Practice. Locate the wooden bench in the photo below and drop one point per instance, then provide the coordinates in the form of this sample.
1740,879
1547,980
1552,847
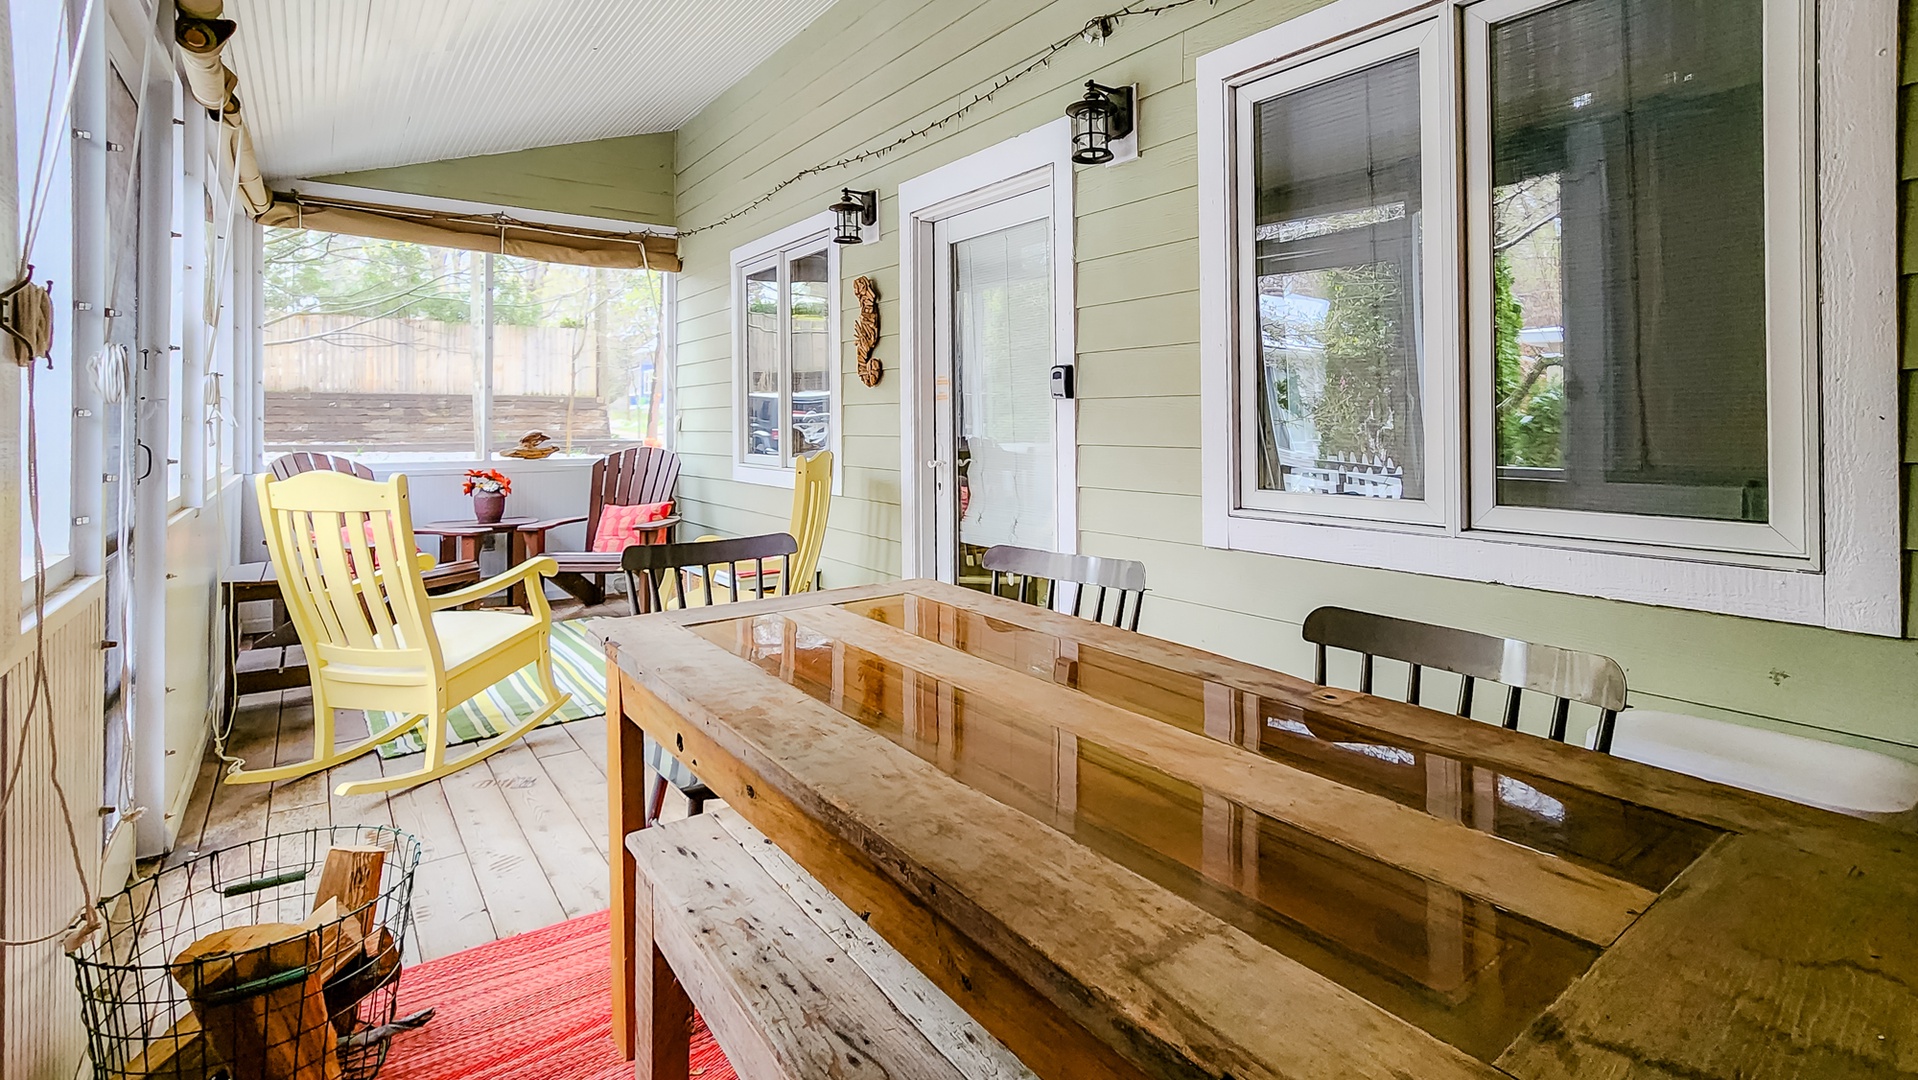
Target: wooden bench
793,985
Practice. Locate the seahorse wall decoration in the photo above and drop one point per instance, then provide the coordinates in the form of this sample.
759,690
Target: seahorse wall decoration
866,334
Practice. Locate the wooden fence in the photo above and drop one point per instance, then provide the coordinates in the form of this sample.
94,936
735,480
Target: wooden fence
346,354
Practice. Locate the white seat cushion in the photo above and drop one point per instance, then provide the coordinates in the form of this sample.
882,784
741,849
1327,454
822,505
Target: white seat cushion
1821,774
466,634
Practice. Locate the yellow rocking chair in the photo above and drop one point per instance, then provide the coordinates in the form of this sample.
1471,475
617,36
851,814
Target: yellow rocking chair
344,552
812,500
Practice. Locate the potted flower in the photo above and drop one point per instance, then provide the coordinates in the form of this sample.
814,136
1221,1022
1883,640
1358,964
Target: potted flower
489,488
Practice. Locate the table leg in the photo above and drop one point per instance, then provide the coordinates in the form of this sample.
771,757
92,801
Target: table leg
516,554
664,1013
626,798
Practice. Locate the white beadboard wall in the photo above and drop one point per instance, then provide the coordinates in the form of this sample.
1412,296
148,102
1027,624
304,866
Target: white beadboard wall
41,1035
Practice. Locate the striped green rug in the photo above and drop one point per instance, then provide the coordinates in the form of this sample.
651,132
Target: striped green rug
579,667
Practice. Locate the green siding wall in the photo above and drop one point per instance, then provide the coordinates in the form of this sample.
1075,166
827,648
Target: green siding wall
629,179
870,69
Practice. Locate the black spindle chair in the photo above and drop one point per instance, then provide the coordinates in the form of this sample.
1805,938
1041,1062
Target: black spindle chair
1566,676
702,572
662,577
1067,579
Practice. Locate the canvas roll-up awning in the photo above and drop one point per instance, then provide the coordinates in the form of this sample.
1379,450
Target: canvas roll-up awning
202,36
500,235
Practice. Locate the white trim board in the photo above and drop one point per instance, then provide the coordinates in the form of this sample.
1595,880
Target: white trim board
1040,158
1853,583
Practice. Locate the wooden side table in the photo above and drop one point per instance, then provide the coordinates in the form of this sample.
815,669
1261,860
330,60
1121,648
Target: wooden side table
460,541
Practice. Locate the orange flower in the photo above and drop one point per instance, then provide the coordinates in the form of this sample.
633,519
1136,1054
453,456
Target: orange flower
487,480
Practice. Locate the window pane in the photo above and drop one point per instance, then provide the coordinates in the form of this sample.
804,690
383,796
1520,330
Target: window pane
1336,168
1628,268
38,72
573,355
369,346
1003,410
812,354
762,362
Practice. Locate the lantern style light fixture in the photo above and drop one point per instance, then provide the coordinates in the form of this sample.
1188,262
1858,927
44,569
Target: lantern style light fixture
858,213
1102,125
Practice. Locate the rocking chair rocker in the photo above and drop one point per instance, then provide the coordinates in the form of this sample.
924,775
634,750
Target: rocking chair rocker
343,549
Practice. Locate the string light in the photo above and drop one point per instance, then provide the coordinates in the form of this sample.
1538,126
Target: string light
1096,31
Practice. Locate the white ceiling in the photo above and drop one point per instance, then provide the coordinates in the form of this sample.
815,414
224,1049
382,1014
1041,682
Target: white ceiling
338,85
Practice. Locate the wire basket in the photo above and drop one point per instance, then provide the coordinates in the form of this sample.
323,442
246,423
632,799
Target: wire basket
281,1002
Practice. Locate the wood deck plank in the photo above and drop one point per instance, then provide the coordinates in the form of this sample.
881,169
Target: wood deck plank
583,787
573,864
517,894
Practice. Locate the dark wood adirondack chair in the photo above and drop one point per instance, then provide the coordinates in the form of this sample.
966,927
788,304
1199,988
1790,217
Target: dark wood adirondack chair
288,465
630,477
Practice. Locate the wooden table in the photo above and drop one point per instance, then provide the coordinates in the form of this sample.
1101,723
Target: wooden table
1128,858
461,540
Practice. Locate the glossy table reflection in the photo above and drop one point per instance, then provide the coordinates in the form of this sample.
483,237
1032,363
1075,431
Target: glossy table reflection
1126,857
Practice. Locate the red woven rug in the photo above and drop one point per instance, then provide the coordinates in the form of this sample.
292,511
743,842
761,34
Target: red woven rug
537,1006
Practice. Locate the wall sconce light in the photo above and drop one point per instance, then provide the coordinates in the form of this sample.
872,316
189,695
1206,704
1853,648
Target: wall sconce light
858,217
1103,125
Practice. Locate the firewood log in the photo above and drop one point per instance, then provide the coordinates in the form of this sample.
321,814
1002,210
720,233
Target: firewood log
262,1018
183,1053
351,875
377,961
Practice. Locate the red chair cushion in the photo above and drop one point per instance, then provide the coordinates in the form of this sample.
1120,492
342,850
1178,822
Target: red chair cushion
620,527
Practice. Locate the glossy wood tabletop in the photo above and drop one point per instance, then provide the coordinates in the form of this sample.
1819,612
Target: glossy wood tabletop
1129,857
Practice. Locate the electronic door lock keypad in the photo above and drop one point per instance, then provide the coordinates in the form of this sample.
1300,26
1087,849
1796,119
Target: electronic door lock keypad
1062,381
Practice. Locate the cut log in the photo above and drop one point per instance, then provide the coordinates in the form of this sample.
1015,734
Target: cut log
377,962
340,940
259,997
351,875
183,1053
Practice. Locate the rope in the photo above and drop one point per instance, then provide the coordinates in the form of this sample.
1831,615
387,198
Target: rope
1095,31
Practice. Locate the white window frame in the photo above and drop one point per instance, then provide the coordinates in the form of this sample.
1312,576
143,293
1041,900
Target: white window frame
1428,45
1832,555
806,237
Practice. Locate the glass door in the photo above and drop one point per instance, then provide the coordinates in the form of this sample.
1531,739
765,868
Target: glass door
996,422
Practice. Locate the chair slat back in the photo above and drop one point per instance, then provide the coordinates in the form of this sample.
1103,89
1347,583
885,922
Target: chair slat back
348,565
290,465
812,500
663,577
630,477
1081,585
1563,674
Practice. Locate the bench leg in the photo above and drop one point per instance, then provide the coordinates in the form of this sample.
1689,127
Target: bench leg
664,1013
